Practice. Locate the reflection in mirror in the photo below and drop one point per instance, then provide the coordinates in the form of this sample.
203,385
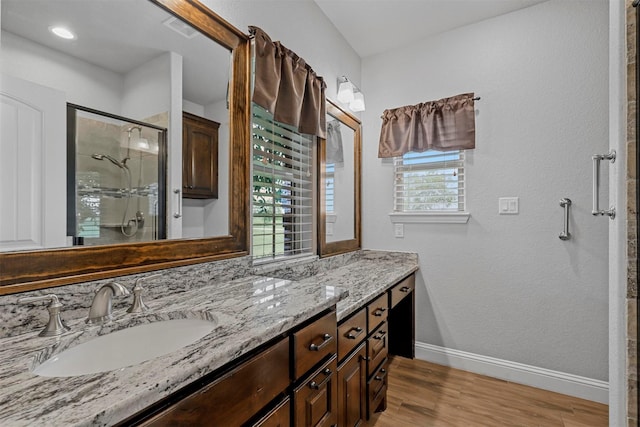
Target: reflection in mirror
130,59
116,181
339,186
134,59
339,181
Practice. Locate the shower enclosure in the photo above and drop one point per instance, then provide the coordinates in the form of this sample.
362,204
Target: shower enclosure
116,178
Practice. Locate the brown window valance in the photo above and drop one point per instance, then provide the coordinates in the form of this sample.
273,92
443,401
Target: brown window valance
287,86
446,124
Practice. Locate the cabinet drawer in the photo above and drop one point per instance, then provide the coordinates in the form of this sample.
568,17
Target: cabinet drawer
279,417
313,343
402,289
377,348
351,333
236,396
377,390
315,401
377,311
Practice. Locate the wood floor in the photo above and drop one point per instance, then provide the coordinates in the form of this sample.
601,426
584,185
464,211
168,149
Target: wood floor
424,394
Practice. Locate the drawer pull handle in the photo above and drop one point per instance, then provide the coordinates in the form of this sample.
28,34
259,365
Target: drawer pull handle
352,336
379,312
316,386
381,377
405,289
380,336
327,338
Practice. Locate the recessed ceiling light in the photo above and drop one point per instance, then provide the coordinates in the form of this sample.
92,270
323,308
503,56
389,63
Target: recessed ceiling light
62,32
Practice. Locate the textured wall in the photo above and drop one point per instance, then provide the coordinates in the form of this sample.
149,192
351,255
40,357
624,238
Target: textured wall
632,226
506,286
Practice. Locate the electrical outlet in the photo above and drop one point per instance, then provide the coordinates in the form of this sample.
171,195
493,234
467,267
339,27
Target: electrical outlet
398,230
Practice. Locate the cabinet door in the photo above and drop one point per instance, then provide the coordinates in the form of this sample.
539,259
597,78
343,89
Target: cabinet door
315,401
352,389
199,157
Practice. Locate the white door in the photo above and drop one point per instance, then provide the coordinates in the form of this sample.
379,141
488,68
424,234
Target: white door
33,165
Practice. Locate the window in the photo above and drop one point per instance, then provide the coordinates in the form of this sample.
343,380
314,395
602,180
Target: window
283,182
431,182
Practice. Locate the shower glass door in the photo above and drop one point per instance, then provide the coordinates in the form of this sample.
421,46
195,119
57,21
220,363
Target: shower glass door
116,186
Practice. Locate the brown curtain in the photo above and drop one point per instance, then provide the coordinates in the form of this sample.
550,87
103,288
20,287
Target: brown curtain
287,86
446,124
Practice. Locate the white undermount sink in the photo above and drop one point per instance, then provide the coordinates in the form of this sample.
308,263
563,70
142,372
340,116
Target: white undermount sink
125,347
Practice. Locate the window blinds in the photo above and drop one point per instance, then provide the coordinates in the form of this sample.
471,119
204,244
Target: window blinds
429,181
282,209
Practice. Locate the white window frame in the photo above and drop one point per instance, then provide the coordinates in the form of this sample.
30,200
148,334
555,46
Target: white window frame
438,162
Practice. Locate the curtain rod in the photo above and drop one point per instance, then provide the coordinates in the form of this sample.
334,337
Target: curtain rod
477,98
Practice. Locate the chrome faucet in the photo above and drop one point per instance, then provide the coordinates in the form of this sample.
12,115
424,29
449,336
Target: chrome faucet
100,311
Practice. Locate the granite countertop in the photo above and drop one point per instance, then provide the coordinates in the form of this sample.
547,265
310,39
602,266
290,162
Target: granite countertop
367,277
249,311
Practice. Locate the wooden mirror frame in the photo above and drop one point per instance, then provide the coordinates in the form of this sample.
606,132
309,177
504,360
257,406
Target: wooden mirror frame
29,270
340,246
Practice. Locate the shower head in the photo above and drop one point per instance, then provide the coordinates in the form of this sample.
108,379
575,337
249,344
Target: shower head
121,165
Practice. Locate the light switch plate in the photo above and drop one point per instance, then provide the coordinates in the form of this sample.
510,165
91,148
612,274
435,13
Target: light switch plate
508,206
398,230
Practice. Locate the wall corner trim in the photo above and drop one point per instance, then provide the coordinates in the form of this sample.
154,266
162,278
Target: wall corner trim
546,379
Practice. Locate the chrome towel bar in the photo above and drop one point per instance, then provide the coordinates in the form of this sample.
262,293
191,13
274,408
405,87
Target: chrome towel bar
611,156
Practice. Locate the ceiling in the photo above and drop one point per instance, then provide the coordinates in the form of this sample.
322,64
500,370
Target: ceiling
120,36
375,26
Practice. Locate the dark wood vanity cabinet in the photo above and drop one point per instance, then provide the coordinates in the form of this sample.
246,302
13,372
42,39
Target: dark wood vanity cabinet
236,396
364,343
320,374
199,157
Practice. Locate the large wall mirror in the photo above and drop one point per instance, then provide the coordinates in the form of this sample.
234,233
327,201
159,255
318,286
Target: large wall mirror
101,129
339,184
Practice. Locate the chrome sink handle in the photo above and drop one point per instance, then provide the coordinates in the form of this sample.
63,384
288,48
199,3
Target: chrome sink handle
55,325
100,311
138,305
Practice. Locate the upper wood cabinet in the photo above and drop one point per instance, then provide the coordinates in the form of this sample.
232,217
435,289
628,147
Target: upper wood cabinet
199,157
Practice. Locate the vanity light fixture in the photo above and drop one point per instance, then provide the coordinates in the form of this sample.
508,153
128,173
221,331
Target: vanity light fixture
62,32
357,104
348,93
345,90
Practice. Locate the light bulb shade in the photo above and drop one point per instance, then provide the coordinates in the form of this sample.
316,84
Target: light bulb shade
357,104
345,92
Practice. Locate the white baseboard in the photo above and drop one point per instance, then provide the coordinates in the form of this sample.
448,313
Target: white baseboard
546,379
